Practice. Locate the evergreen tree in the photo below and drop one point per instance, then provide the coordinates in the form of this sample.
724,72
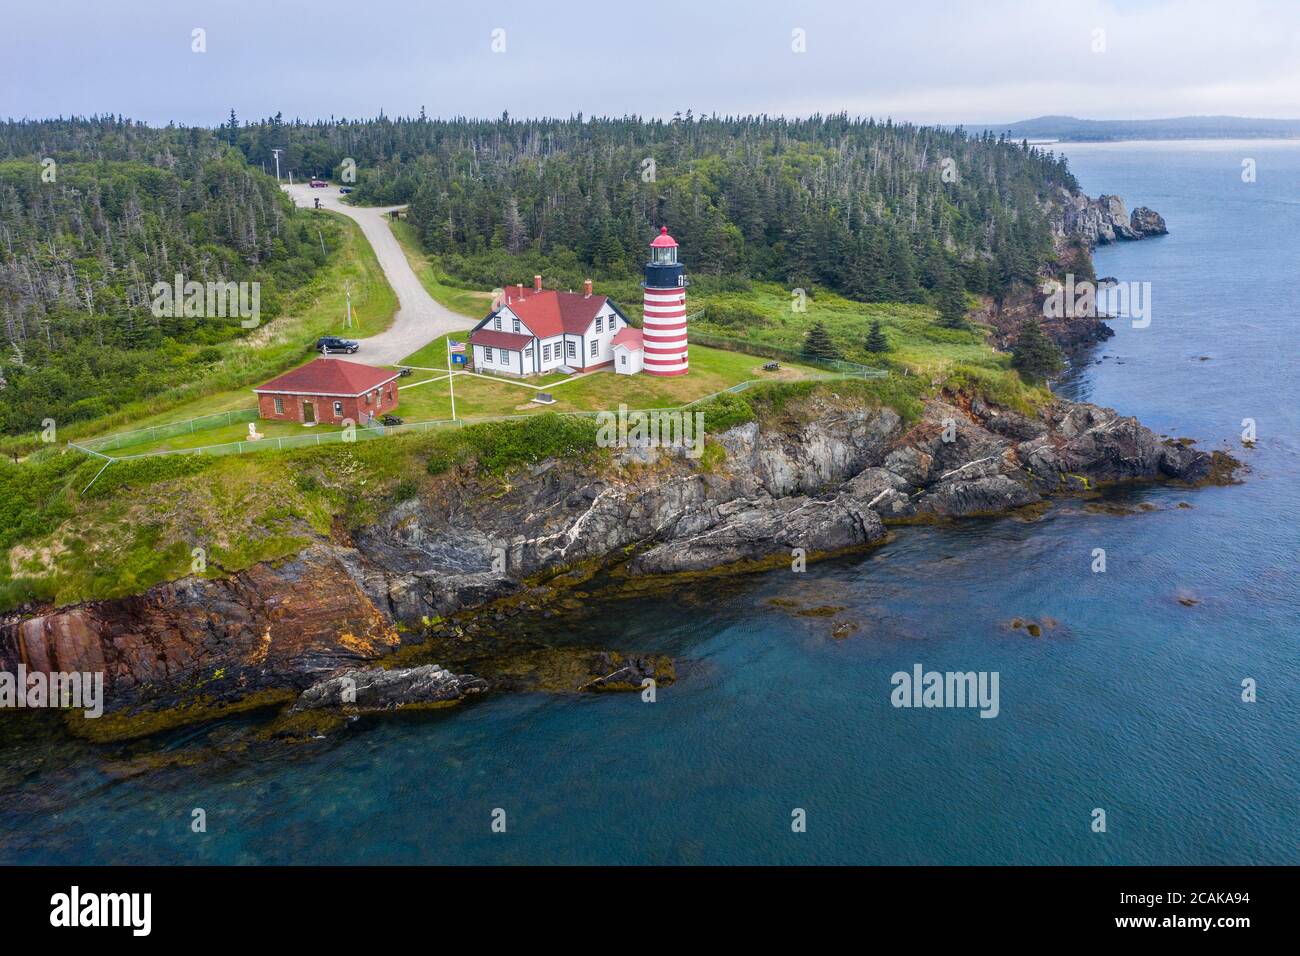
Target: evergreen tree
1034,355
818,344
952,301
876,341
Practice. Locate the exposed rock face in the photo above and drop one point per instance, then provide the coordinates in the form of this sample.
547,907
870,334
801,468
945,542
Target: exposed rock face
1071,333
1095,221
1079,224
270,626
1147,222
825,482
825,477
377,689
1104,219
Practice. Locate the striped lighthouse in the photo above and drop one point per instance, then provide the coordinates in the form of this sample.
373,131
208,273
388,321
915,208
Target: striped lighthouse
664,304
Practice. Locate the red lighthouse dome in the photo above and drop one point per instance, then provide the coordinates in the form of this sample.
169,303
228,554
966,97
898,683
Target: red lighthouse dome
663,240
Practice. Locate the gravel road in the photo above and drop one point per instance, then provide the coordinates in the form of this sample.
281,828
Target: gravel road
419,319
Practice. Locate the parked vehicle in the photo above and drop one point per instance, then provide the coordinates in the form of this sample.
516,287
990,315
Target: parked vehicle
332,343
345,190
771,366
318,183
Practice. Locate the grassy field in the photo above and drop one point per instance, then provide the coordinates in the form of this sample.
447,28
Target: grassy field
315,310
919,346
222,435
482,396
426,396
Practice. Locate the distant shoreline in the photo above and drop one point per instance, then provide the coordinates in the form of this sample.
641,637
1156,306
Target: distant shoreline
1072,129
1041,141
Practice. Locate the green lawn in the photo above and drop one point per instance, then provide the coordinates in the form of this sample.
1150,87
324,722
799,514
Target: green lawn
481,396
222,435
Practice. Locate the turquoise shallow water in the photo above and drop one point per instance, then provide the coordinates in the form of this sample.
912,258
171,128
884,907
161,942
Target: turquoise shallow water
1131,704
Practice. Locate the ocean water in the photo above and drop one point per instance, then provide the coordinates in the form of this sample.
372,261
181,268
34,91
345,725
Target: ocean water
1131,703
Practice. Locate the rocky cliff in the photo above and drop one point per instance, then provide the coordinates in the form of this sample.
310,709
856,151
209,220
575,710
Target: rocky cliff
1104,219
1079,224
824,475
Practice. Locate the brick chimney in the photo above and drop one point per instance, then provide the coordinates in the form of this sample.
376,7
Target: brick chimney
521,290
537,283
586,288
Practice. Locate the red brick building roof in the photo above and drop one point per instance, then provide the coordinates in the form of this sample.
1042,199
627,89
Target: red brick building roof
329,376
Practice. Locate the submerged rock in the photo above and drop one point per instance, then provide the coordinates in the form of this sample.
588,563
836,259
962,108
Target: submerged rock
618,672
377,689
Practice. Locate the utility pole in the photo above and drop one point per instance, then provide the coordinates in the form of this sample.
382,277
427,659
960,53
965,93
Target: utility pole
276,153
347,291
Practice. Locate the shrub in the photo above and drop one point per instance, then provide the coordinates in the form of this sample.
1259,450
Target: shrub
500,446
734,316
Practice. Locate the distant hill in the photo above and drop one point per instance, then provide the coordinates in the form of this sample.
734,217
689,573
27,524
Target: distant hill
1072,129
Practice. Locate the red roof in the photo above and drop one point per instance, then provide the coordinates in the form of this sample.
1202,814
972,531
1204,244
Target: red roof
329,376
629,338
550,313
500,340
663,240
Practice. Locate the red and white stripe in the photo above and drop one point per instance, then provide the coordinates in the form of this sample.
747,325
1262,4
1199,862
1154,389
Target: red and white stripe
663,331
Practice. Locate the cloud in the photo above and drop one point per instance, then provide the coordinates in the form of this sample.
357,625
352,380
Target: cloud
929,61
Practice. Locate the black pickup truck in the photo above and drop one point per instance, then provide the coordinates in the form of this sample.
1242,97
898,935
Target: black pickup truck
332,343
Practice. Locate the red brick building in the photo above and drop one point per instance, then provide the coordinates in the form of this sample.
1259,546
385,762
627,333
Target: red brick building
329,390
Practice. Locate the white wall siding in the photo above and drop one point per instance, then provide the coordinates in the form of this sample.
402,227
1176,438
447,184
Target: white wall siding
503,360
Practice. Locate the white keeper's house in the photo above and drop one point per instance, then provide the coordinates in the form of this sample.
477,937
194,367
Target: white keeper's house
535,331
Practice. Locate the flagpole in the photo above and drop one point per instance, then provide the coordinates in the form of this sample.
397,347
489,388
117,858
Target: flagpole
451,380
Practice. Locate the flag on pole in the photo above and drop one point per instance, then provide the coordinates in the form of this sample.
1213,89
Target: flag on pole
458,347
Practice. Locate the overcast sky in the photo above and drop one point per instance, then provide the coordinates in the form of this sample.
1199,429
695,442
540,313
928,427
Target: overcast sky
962,61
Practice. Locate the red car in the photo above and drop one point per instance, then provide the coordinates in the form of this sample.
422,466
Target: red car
318,184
